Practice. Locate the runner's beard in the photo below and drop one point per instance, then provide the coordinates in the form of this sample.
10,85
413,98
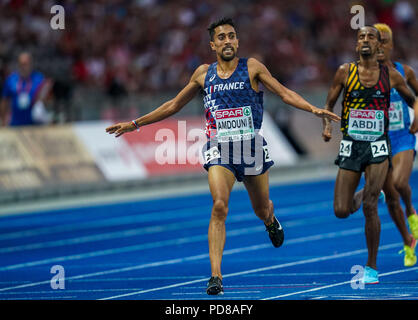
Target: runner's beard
366,53
228,58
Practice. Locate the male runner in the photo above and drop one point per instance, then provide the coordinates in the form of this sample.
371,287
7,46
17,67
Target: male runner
403,151
365,145
234,112
26,90
402,140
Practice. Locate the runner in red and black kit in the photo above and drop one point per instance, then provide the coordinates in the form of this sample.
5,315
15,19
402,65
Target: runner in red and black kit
364,121
402,139
365,146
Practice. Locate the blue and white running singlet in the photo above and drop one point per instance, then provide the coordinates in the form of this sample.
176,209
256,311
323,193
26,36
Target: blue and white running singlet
234,114
399,120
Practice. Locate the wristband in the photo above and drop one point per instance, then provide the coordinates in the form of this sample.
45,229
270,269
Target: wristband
136,126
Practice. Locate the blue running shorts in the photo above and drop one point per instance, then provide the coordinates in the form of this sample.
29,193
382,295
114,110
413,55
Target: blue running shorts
402,141
242,158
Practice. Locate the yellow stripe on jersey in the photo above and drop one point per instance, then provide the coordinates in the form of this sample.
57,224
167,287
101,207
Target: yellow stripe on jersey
352,74
353,83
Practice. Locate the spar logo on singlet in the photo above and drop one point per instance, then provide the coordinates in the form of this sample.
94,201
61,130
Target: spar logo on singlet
234,124
366,125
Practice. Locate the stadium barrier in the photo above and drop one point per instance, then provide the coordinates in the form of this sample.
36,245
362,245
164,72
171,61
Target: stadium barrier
49,161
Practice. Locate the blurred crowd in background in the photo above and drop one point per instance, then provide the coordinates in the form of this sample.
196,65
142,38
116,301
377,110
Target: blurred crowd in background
122,47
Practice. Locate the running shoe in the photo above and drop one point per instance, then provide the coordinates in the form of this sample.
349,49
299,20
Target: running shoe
382,197
371,276
413,224
276,233
410,259
214,286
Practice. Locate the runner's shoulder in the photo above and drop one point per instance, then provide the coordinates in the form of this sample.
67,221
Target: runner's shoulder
200,73
254,63
395,76
409,72
343,68
342,73
202,69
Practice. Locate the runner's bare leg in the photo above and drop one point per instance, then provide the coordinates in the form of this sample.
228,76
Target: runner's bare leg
375,176
345,186
395,209
402,168
258,191
221,181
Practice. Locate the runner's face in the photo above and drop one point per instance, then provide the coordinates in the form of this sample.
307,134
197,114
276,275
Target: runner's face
225,42
367,41
386,46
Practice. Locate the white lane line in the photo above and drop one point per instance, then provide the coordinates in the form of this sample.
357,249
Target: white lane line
146,230
55,292
202,293
139,247
158,244
153,245
42,298
340,283
101,223
198,257
273,267
151,217
100,273
121,234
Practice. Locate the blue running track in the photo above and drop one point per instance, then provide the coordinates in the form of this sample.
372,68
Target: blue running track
158,250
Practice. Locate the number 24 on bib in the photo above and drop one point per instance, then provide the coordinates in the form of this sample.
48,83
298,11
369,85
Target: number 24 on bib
379,148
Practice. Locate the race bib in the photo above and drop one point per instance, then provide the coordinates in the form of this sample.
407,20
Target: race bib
267,157
211,154
366,125
379,148
234,124
396,116
345,148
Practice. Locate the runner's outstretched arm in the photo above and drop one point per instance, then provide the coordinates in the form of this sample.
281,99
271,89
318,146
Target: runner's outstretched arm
166,110
288,96
411,79
334,92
